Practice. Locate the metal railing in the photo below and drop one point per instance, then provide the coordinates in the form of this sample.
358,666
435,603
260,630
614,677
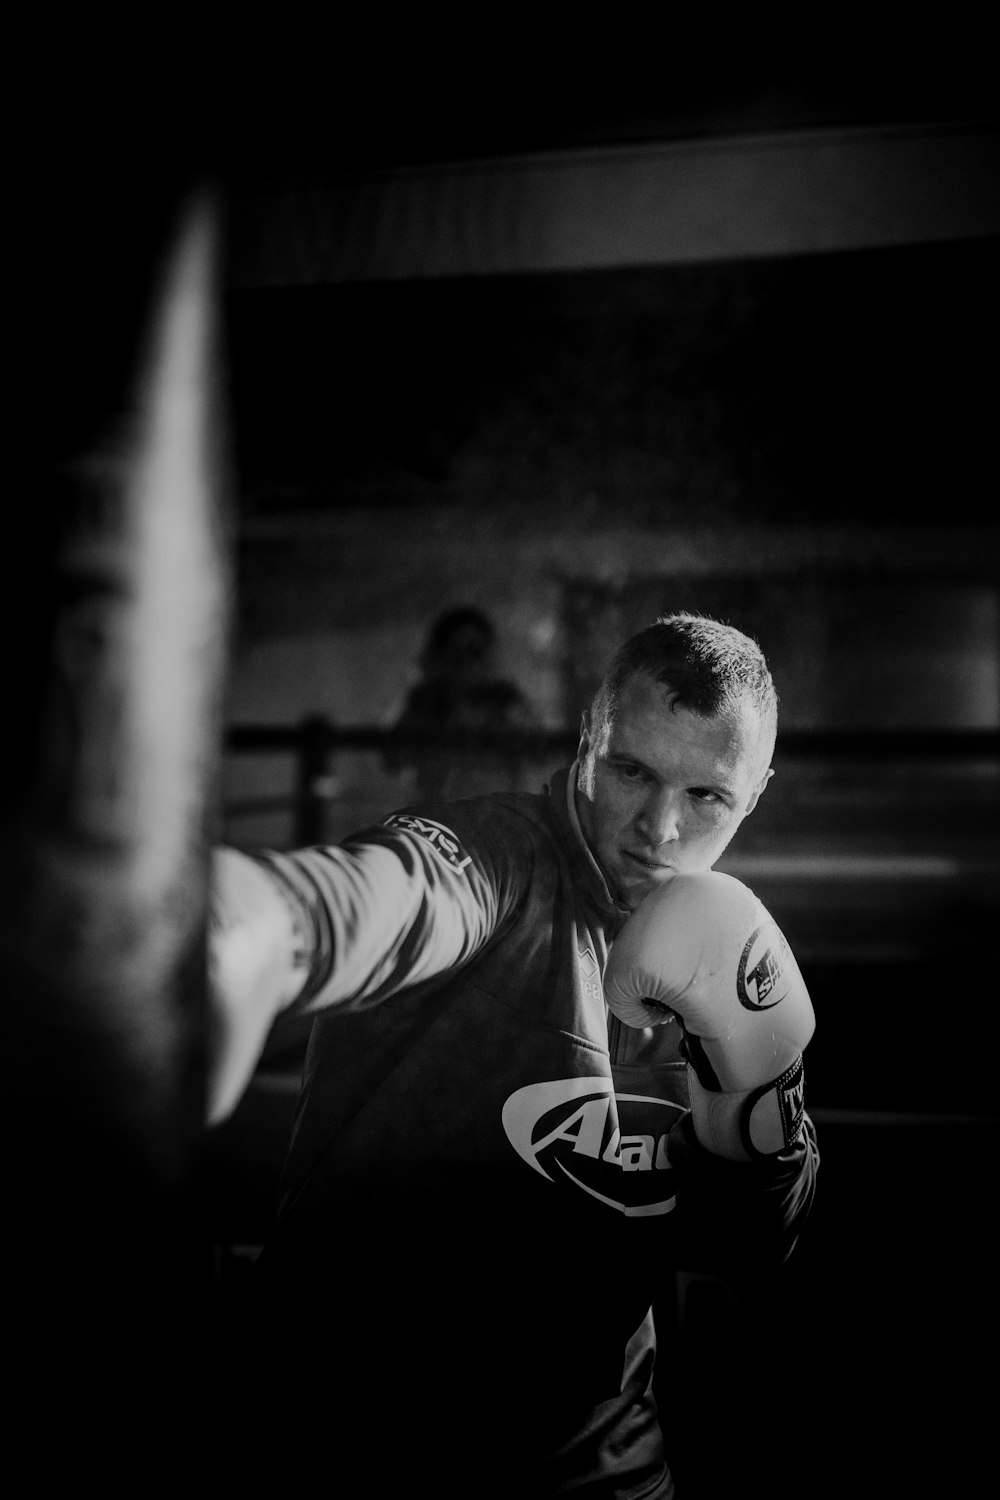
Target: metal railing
315,742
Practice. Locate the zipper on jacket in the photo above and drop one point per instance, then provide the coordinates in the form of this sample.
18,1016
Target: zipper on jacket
615,1047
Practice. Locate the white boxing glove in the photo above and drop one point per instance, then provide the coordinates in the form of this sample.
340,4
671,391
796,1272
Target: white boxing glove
703,948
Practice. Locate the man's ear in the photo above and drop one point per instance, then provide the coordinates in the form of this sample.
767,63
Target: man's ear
584,757
756,793
585,736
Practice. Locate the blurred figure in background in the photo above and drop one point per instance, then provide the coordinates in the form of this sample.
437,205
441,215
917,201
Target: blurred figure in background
463,701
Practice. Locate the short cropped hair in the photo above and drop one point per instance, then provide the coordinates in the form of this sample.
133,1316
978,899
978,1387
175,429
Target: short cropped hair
710,667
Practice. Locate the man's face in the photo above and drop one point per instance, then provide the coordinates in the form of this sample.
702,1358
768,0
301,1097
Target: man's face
668,790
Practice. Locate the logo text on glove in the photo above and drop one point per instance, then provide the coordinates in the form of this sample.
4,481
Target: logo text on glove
762,978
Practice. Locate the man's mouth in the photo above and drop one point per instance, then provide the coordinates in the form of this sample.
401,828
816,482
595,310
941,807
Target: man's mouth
647,865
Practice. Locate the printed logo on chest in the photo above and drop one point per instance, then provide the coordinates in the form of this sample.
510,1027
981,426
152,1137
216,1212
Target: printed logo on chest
612,1147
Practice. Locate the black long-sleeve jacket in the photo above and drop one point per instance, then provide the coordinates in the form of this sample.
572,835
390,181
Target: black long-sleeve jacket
490,1179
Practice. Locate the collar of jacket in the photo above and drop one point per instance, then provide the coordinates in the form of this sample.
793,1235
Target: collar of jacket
587,871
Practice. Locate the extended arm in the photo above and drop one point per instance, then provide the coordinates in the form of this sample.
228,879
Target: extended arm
345,926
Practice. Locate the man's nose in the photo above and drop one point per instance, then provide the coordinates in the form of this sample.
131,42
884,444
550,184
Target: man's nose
659,819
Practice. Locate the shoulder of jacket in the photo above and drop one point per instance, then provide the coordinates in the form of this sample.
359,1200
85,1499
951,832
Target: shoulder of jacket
500,821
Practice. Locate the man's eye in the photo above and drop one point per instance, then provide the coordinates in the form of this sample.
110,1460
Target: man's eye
704,794
631,773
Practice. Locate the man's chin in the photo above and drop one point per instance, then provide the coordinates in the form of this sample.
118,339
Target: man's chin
634,888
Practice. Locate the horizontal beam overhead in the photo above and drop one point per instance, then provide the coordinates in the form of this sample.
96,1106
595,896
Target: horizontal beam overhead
786,193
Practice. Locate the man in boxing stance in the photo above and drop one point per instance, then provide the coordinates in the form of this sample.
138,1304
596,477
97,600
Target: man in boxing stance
555,1057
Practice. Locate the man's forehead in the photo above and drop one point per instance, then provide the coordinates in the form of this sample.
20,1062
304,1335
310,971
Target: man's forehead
648,718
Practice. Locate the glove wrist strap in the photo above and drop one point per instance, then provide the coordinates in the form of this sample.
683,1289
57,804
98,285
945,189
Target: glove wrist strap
771,1116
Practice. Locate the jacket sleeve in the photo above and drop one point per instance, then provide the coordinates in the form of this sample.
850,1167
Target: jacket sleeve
741,1221
391,907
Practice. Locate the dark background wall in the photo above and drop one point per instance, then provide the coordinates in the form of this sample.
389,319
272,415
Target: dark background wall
808,388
